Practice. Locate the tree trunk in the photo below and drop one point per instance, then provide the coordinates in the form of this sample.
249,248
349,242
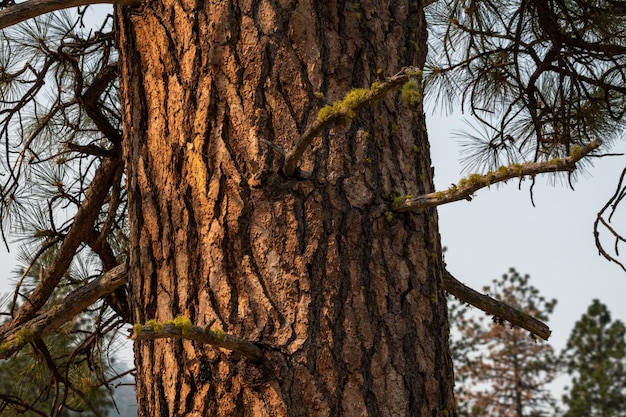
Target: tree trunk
344,297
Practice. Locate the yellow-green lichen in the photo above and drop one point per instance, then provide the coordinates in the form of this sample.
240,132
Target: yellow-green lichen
388,216
137,328
410,94
576,151
344,109
155,325
183,323
319,95
219,334
22,337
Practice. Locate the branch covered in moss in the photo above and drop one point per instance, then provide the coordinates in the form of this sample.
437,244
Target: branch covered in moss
494,307
21,12
343,111
468,186
73,304
181,328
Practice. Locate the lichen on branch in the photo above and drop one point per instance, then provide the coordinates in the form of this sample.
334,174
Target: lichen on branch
345,110
181,328
466,187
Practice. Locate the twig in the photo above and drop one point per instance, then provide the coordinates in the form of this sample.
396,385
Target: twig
344,111
20,12
200,334
494,307
468,186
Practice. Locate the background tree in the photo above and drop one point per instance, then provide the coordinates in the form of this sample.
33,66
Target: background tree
595,356
500,370
279,191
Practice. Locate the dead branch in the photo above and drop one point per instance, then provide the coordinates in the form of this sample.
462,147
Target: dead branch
81,227
466,187
494,307
343,111
72,305
20,12
215,338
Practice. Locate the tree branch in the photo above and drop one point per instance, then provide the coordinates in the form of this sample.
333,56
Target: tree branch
20,12
81,227
344,111
72,305
468,186
181,328
494,307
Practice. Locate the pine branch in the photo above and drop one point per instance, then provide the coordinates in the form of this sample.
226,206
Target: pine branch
181,328
468,186
81,227
20,12
494,307
343,111
72,305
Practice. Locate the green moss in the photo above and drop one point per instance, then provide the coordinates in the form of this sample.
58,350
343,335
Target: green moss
388,216
394,128
368,161
410,94
503,170
366,136
416,149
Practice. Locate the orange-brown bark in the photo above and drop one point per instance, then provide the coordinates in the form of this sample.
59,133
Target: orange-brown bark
345,299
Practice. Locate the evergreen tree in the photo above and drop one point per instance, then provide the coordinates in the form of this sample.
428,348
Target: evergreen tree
595,356
253,182
500,370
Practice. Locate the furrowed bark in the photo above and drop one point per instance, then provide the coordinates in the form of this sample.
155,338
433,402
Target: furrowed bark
347,304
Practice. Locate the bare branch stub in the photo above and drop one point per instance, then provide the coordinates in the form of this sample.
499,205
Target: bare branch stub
494,307
215,338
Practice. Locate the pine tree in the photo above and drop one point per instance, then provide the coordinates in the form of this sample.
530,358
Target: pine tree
595,356
252,180
501,370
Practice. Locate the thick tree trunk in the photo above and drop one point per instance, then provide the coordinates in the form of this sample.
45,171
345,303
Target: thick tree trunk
345,299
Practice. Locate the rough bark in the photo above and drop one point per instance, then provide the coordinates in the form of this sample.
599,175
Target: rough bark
344,297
